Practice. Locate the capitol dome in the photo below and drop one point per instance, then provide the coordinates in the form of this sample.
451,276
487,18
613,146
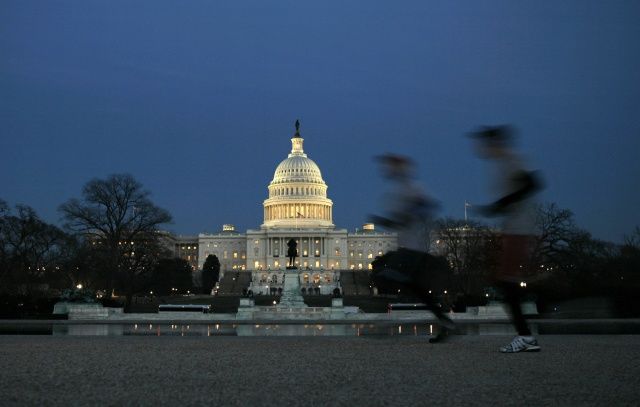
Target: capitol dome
297,193
297,168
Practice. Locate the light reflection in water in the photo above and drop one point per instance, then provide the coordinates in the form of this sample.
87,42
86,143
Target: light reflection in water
352,329
207,330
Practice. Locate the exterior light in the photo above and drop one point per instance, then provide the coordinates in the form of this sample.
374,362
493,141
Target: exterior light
79,286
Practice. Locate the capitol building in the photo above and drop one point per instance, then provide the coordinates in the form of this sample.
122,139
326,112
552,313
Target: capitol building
297,207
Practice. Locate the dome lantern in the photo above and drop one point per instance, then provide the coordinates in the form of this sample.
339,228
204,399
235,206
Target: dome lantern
297,193
297,143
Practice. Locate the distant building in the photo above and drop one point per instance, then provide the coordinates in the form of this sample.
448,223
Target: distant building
186,248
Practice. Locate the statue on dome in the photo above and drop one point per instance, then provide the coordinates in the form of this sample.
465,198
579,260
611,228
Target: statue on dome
298,128
292,253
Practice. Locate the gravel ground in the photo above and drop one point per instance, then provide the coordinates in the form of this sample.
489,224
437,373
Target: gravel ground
595,370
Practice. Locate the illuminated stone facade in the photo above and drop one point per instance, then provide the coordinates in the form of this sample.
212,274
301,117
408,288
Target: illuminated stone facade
297,207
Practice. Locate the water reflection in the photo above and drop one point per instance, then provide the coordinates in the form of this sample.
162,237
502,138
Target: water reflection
365,329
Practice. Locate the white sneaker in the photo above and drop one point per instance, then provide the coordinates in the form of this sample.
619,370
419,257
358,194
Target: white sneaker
521,344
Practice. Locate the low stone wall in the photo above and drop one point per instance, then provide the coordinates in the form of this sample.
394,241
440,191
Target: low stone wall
248,311
87,311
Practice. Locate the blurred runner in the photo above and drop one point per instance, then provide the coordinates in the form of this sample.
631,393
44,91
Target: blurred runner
515,187
408,209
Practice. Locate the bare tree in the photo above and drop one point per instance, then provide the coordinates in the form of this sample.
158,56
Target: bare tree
140,258
28,248
4,249
471,249
113,214
633,240
556,230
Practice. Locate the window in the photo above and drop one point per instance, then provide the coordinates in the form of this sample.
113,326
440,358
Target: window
370,256
235,255
317,263
225,254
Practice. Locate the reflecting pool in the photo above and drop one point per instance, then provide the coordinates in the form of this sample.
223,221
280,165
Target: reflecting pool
300,329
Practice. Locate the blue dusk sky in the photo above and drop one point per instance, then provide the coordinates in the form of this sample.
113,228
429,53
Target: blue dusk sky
197,100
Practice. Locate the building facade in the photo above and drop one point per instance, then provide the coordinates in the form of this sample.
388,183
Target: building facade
186,248
297,207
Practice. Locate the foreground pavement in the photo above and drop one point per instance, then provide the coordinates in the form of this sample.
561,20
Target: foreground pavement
571,370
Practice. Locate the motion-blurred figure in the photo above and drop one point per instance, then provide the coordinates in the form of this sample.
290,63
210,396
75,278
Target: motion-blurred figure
515,187
407,209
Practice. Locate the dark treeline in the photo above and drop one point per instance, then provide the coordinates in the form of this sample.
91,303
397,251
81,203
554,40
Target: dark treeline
110,243
566,262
